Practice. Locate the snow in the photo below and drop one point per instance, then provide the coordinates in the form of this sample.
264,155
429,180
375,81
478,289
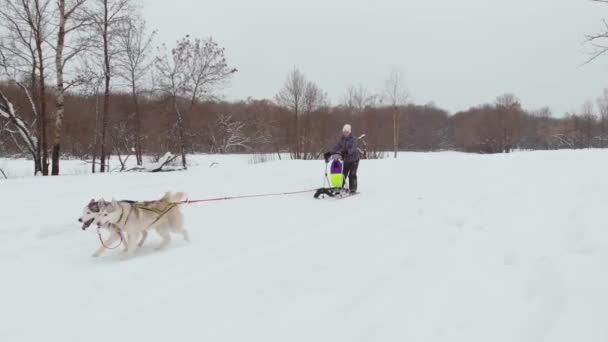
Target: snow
438,247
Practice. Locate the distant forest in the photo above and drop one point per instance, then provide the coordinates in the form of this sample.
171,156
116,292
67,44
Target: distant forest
84,79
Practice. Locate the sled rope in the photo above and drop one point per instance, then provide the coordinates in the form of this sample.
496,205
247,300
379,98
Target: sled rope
217,199
161,212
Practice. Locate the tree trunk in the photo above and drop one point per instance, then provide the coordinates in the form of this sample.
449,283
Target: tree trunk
59,113
297,136
396,131
181,133
106,99
95,133
43,120
603,145
297,145
138,140
33,91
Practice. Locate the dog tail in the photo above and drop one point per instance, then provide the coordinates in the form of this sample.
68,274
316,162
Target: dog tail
174,197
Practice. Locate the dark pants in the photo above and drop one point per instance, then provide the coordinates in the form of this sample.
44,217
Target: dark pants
350,171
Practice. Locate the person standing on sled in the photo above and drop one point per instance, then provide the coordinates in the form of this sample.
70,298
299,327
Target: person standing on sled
348,147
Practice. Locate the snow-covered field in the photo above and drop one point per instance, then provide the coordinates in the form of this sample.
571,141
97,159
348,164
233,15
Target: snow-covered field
22,168
439,247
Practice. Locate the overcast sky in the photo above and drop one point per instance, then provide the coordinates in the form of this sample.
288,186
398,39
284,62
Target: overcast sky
454,53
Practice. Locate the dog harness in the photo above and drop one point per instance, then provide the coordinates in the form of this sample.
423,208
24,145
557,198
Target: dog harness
143,206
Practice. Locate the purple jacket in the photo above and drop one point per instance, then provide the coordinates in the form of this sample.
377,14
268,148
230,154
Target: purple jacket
348,145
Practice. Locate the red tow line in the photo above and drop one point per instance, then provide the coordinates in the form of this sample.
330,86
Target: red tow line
245,196
210,200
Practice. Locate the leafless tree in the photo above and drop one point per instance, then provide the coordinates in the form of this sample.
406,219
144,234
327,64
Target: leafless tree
108,17
509,118
133,65
172,81
589,118
123,139
27,25
358,98
14,125
314,99
263,134
598,42
227,135
602,106
544,112
292,96
396,96
192,72
71,19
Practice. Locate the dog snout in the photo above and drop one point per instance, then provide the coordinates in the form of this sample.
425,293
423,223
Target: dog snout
80,220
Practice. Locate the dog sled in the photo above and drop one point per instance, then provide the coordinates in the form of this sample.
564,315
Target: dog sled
335,183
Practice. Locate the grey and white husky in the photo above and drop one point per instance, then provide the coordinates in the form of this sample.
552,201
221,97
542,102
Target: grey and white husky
132,220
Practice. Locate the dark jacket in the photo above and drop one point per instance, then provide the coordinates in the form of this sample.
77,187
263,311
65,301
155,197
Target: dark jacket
348,146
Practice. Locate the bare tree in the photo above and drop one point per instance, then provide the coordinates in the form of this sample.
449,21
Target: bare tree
192,72
358,98
396,96
227,135
27,28
602,105
292,97
71,19
173,83
509,121
133,66
598,41
544,112
589,118
314,99
108,16
17,127
123,139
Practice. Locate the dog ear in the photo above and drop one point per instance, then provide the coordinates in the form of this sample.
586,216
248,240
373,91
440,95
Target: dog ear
114,204
92,201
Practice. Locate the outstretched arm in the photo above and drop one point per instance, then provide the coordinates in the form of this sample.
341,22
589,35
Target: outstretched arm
339,147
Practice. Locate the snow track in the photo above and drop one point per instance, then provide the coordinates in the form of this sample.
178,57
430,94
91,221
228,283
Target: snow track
438,247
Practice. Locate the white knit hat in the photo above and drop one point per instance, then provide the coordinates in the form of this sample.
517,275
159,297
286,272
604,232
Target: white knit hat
347,128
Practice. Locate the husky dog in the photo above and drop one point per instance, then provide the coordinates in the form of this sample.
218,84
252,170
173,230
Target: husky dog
89,214
134,219
92,211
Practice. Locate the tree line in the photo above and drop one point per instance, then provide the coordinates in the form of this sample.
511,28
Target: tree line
59,56
85,79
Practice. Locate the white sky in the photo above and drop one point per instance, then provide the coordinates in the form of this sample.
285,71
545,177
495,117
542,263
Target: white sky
457,53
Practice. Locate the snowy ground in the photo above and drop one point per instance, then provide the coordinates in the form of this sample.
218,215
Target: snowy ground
439,247
23,168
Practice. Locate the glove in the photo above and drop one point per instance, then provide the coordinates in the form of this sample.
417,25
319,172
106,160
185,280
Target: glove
326,156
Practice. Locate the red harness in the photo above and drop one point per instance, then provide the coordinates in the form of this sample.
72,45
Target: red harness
104,244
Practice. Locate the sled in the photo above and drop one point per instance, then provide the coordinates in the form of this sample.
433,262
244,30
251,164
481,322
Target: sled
334,179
